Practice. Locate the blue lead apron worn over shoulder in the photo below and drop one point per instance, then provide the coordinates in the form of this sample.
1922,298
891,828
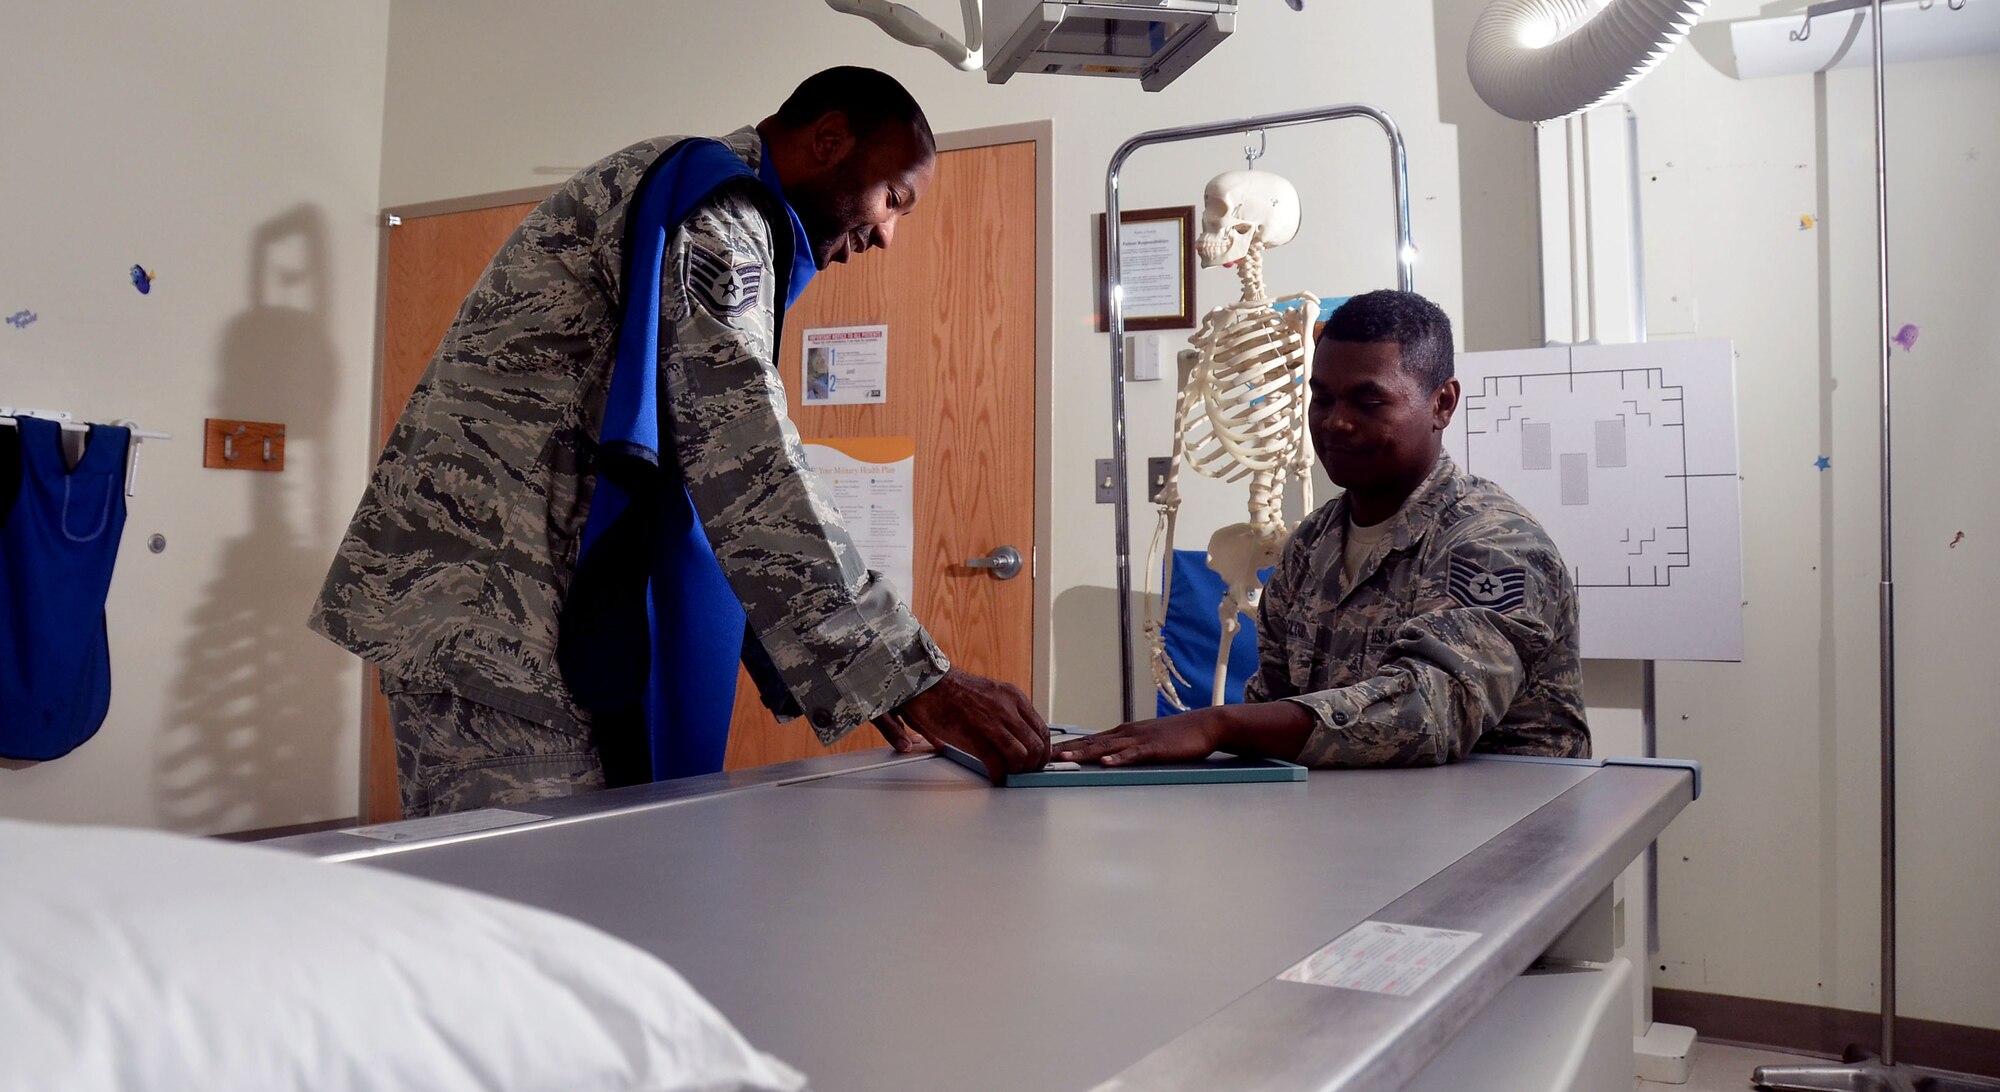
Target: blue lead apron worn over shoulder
651,632
58,544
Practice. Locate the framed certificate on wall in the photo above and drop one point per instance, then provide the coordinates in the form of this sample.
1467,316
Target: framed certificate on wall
1156,269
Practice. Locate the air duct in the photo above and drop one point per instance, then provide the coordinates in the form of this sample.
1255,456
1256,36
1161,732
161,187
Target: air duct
1538,60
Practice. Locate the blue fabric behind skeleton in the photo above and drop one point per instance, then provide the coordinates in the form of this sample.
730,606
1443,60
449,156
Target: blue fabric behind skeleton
1193,631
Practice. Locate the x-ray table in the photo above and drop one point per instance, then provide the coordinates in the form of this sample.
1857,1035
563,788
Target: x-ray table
888,923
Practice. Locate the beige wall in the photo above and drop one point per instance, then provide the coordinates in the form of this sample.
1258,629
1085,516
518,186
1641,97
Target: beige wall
1768,885
194,142
235,150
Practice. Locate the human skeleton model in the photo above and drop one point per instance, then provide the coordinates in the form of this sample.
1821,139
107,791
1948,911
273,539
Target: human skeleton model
1241,411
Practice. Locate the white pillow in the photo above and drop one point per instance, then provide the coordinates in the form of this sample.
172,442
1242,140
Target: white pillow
134,960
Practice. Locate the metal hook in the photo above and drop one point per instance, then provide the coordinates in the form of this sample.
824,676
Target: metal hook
1252,155
1958,6
1805,29
131,455
229,443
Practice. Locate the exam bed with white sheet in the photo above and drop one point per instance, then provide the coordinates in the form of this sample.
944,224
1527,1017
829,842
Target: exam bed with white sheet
887,923
135,960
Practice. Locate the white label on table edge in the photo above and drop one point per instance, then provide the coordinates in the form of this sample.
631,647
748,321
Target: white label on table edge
444,826
1382,957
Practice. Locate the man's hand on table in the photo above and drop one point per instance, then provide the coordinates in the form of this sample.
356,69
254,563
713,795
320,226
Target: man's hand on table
1277,729
900,736
989,720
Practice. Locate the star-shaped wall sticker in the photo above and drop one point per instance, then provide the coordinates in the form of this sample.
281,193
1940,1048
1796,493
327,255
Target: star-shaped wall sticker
1823,463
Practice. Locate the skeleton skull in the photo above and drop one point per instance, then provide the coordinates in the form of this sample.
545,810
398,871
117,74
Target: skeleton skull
1235,205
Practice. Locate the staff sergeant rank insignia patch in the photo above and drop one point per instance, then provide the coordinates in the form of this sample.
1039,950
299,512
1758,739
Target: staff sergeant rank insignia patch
722,288
1502,590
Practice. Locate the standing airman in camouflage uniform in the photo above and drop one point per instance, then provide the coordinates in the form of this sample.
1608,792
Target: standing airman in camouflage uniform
452,575
1422,615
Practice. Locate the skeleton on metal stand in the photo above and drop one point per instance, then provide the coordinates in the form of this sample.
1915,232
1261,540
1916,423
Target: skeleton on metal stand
1241,410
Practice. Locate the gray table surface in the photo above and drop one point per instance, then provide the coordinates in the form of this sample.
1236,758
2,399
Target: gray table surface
904,926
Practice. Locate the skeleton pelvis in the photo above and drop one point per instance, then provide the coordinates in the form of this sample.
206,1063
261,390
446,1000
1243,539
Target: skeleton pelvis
1239,552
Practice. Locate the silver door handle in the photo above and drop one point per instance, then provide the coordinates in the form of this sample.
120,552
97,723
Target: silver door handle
1005,561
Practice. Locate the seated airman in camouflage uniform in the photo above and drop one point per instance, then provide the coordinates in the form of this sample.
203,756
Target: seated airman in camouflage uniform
1422,615
452,575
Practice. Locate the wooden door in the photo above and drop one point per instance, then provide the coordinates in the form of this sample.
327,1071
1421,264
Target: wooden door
957,291
433,263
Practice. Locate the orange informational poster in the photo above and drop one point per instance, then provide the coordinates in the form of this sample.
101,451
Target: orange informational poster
873,481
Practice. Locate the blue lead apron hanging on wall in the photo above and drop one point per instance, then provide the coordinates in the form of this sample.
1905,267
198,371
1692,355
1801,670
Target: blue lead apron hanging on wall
10,471
58,544
651,632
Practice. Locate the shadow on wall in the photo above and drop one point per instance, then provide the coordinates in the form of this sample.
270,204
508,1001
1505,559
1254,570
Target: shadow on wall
1086,683
251,739
1498,212
1614,684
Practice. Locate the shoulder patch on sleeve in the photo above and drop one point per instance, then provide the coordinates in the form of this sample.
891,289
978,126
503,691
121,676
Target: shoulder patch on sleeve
722,286
1475,585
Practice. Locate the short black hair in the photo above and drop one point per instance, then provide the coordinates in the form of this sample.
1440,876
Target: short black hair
867,98
1420,329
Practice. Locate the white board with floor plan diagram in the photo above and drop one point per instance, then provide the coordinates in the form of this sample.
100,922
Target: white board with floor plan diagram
1627,454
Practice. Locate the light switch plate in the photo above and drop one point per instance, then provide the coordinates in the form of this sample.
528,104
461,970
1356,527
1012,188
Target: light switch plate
1150,352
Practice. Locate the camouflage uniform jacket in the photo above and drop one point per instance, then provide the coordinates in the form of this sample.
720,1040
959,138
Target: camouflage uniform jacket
1460,634
452,574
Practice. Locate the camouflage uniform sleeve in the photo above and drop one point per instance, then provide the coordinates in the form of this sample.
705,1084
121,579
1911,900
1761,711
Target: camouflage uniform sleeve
838,643
1484,610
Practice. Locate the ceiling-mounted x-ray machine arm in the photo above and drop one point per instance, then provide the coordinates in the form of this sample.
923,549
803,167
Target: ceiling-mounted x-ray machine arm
1150,41
904,24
